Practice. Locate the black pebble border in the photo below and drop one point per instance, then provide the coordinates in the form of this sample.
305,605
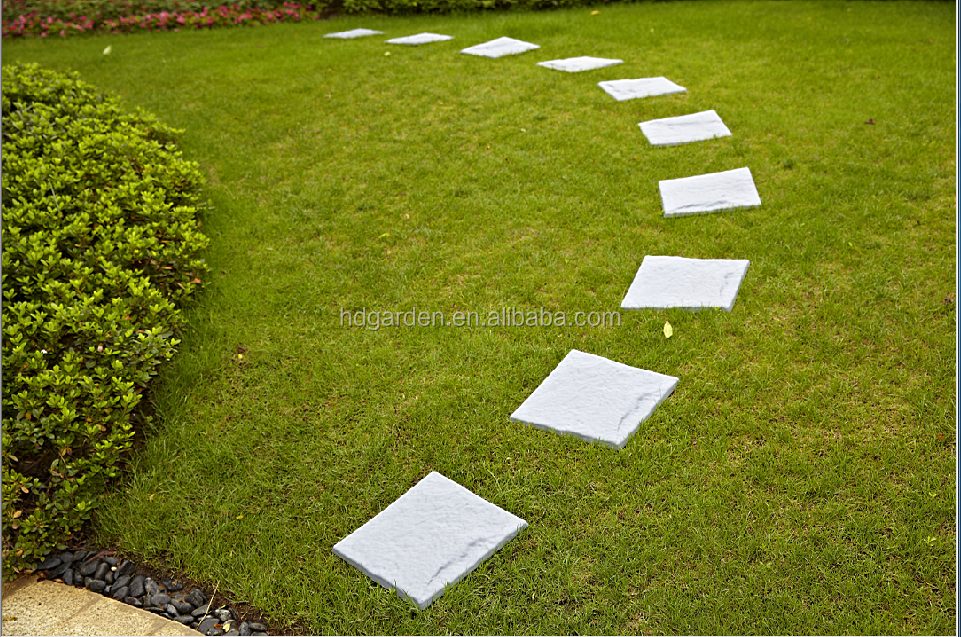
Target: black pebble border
114,577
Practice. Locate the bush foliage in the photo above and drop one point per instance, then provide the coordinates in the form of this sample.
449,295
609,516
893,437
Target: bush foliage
63,18
99,237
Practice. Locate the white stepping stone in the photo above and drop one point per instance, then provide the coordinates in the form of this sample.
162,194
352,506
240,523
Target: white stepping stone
428,538
595,399
696,127
420,38
350,35
709,193
583,63
692,284
500,47
645,87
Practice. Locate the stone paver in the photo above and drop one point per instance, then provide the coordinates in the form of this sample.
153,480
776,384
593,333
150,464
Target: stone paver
500,47
595,399
696,127
622,90
420,38
709,193
350,35
691,284
429,538
583,63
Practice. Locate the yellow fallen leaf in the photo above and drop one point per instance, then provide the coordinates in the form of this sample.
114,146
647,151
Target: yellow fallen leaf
107,50
240,517
668,330
387,53
595,12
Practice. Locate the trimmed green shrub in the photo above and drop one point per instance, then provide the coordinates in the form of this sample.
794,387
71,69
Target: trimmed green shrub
99,238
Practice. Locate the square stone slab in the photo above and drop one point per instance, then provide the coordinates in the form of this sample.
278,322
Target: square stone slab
696,127
350,35
500,47
420,38
709,193
692,284
645,87
428,538
583,63
595,399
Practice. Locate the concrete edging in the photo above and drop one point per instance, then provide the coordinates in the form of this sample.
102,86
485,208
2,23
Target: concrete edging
43,607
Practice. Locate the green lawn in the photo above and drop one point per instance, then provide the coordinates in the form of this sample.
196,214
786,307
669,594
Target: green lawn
801,479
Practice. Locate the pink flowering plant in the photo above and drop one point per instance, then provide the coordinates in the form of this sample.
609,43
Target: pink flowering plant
64,18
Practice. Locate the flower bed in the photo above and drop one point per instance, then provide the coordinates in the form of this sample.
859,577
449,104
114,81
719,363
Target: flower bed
182,16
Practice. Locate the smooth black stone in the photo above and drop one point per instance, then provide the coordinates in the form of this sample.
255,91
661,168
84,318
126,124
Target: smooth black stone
207,625
108,577
77,578
260,634
222,614
183,608
67,556
102,571
89,568
232,632
123,580
184,619
154,609
112,561
245,629
159,600
151,587
126,568
200,611
136,586
257,627
58,571
196,597
120,593
106,591
170,585
170,610
68,577
49,563
133,601
194,624
95,585
216,632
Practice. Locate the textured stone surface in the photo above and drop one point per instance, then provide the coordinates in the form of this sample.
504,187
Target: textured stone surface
583,63
32,607
500,47
643,87
420,38
429,538
595,399
692,284
350,35
709,193
696,127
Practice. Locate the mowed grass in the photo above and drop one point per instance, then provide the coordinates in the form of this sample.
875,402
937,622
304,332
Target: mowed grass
801,478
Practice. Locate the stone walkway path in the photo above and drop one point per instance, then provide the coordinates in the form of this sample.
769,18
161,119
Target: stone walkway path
438,532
